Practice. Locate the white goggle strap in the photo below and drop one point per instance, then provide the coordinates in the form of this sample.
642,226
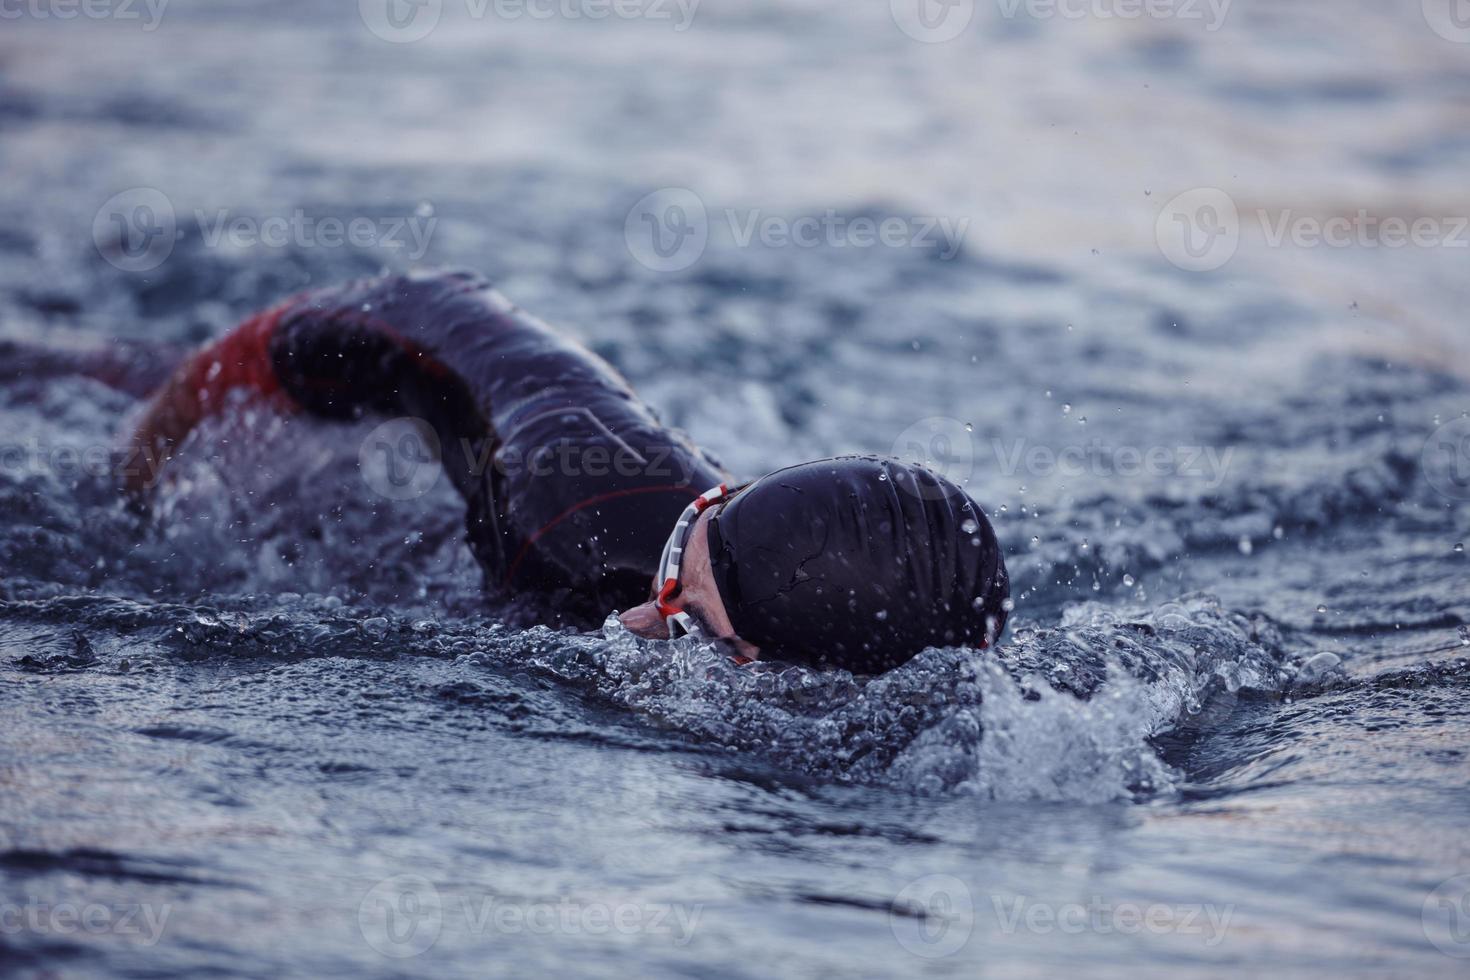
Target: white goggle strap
668,571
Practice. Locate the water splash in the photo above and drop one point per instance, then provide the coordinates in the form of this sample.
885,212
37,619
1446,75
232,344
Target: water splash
1061,714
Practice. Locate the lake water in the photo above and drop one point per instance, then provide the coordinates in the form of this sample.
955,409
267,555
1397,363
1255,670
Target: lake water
279,730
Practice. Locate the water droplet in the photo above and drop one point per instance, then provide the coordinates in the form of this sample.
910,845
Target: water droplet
881,615
424,210
970,526
969,427
1035,539
1004,508
1129,581
1321,610
1008,604
1066,408
1246,546
1460,549
882,477
1278,532
975,541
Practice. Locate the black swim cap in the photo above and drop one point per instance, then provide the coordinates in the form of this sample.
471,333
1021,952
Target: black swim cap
857,562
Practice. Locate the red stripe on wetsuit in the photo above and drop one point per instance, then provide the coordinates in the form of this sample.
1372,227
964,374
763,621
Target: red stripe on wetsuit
240,359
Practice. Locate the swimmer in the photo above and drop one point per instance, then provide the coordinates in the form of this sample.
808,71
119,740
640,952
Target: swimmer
572,486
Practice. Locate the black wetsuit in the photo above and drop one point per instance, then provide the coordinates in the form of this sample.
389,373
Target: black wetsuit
570,481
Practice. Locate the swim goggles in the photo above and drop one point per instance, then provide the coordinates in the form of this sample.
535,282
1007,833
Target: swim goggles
668,566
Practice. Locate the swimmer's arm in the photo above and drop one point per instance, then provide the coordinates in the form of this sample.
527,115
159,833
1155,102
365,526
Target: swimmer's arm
391,345
202,386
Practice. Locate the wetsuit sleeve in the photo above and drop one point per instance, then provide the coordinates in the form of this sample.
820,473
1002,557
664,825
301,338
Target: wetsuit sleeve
334,353
202,386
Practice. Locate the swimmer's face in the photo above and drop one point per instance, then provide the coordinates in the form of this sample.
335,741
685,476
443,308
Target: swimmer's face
699,596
